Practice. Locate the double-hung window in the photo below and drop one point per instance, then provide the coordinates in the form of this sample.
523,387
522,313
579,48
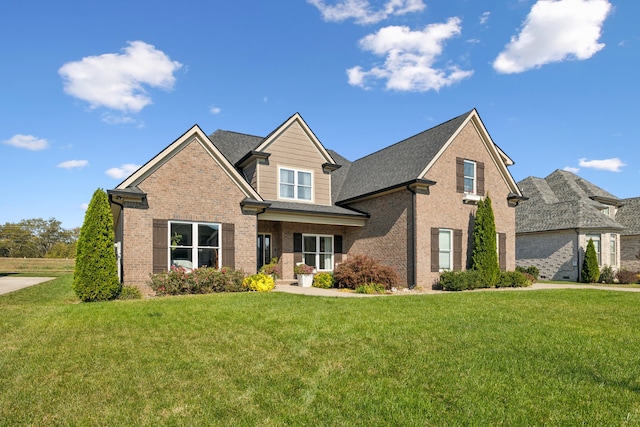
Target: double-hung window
194,244
295,184
613,249
470,177
445,245
317,251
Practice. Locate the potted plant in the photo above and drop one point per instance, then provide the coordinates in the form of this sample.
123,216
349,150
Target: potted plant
304,273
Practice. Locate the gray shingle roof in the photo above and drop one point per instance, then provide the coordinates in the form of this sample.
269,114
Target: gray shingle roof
312,208
398,163
629,215
562,201
234,145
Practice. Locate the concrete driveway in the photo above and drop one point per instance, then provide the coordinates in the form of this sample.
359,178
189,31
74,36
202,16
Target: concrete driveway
13,283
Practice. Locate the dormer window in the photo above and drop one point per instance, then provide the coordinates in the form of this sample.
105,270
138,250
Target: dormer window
295,184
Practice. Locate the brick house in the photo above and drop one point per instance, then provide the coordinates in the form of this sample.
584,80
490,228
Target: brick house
629,216
554,225
231,199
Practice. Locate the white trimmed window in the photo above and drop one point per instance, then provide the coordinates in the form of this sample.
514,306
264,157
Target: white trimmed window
317,251
194,245
613,249
295,184
470,176
445,246
596,244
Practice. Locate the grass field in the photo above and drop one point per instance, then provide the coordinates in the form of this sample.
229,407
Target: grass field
36,266
561,357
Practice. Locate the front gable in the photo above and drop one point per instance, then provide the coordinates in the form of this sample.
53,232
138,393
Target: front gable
292,151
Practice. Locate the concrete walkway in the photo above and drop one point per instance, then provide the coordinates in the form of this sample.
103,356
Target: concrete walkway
13,283
293,288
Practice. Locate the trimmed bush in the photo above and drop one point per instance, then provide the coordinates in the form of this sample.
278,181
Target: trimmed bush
461,280
361,270
590,269
371,288
323,280
514,279
532,270
272,269
607,275
178,281
626,277
96,270
259,282
484,258
130,292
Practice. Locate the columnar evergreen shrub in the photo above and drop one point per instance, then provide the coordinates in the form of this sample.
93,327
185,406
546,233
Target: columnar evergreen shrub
484,258
590,270
96,270
361,270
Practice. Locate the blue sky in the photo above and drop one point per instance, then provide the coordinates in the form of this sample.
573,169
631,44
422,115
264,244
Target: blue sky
91,90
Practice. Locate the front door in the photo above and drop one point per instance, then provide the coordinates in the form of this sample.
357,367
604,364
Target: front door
264,249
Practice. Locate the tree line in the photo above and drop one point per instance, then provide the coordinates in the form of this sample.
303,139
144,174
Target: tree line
38,238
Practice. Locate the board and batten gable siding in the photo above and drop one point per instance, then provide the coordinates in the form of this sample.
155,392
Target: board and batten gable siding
444,207
190,187
294,149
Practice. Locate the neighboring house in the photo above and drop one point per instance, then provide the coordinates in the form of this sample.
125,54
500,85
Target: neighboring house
238,200
554,226
629,216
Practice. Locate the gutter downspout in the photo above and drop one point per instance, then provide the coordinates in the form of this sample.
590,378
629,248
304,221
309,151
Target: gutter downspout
413,242
119,258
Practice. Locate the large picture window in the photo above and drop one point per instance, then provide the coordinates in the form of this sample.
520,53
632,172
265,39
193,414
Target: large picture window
317,251
295,184
194,245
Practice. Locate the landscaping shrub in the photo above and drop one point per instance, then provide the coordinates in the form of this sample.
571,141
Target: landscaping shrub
178,281
323,280
590,270
461,280
130,292
259,282
371,288
626,277
272,269
514,279
532,270
96,270
607,275
484,257
361,270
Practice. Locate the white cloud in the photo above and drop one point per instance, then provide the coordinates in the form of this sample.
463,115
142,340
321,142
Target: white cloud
84,206
555,31
215,110
410,57
73,164
117,80
571,169
114,119
484,18
612,165
123,171
28,142
362,12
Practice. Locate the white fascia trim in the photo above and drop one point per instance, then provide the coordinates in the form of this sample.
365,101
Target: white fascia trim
195,133
297,118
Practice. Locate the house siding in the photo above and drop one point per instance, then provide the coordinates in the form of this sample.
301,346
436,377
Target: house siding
187,188
444,207
630,252
294,149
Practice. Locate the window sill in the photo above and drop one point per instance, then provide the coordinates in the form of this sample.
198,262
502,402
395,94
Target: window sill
471,199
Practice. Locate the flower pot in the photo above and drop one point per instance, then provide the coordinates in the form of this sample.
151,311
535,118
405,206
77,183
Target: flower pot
305,280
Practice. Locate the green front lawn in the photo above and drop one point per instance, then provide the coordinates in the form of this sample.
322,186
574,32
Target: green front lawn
561,357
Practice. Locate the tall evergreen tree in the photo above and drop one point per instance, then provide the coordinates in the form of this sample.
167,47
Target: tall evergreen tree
590,269
484,257
96,271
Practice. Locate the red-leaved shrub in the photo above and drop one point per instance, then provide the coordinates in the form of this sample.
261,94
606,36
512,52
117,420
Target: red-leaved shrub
626,277
362,270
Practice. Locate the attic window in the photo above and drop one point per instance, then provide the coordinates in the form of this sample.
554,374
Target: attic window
295,184
469,177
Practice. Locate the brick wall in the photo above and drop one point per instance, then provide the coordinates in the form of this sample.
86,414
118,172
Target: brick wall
190,186
629,249
554,254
